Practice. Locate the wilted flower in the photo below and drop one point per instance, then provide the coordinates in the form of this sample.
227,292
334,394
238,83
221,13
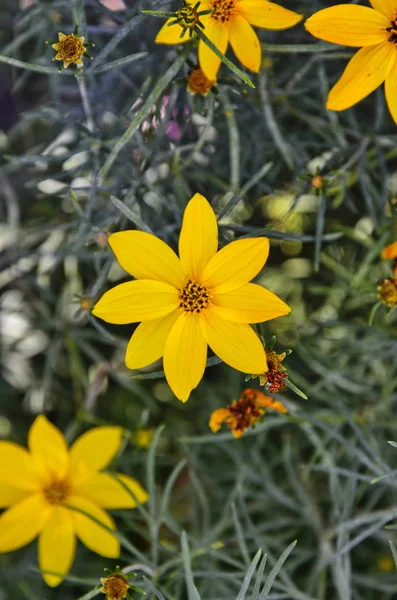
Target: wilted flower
115,586
70,49
276,374
243,413
198,83
388,291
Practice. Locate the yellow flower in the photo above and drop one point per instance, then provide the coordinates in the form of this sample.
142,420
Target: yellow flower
375,29
70,49
243,413
230,21
198,83
202,298
40,489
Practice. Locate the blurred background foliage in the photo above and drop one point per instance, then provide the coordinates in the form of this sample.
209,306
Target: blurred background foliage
315,475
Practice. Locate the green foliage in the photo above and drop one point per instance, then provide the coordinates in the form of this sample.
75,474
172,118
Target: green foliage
298,508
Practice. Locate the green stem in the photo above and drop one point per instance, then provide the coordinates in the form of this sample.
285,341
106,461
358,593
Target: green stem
31,67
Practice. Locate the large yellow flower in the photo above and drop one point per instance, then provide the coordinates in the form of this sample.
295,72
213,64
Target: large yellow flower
185,303
40,488
376,62
230,21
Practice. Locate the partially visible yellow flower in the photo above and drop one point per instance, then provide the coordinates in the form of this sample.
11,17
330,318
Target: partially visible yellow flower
388,291
375,29
198,83
42,487
144,438
185,304
230,21
243,413
70,49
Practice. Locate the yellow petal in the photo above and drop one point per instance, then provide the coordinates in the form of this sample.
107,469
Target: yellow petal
198,241
218,33
391,98
62,36
236,264
48,446
17,467
147,342
267,14
94,450
21,523
245,43
140,300
107,492
171,34
350,25
145,256
391,250
386,7
185,356
11,495
57,546
235,343
368,68
56,46
249,304
92,534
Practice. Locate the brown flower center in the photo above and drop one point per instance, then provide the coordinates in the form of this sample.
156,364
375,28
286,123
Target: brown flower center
393,31
57,491
223,10
70,48
194,297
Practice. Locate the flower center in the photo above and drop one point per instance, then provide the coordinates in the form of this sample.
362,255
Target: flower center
70,48
194,297
57,491
393,31
222,10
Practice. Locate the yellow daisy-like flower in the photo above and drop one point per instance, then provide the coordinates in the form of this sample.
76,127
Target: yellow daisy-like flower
202,298
42,487
70,49
230,21
375,29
